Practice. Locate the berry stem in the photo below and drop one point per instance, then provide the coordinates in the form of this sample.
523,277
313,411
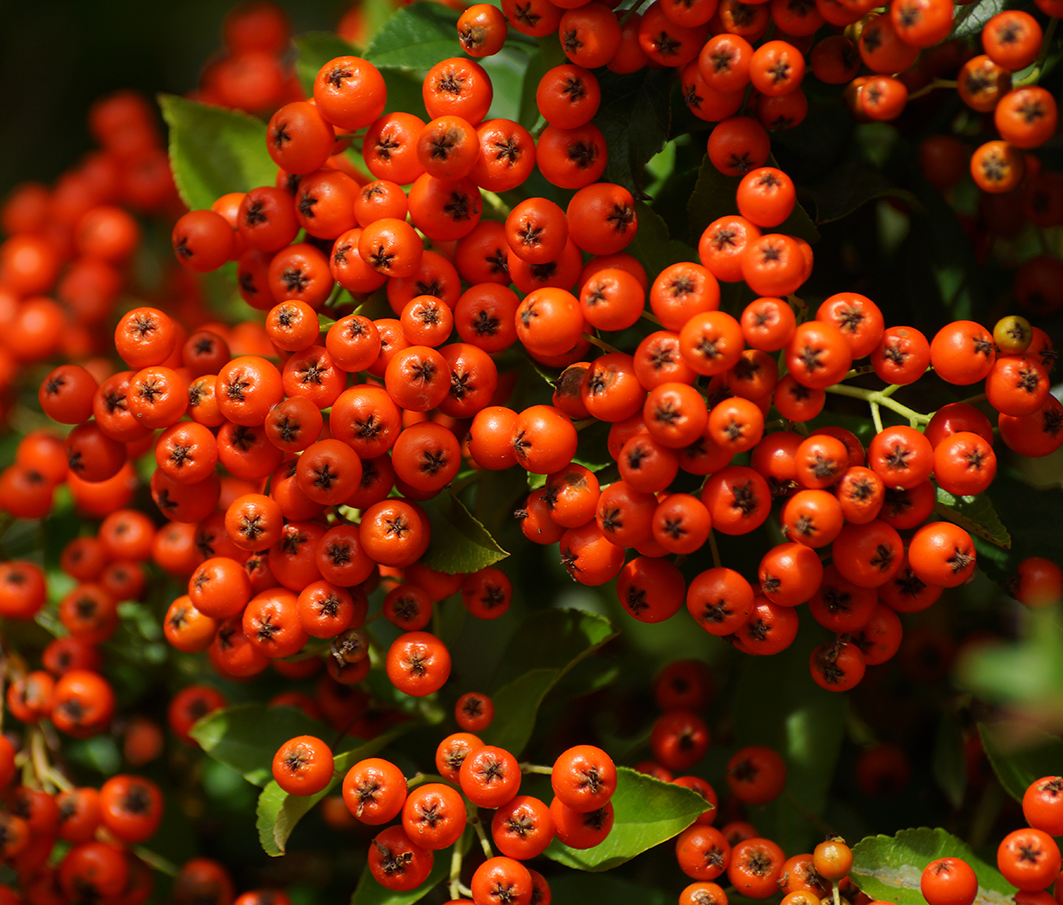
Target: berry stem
600,343
1034,75
485,844
455,871
883,398
155,860
937,83
876,416
715,549
651,317
536,768
497,204
971,400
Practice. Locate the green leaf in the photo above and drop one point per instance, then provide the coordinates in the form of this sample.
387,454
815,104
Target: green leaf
634,116
889,867
652,244
312,51
973,17
775,706
552,639
850,186
214,151
1020,754
246,736
459,542
975,514
547,645
416,37
369,892
647,813
713,197
278,812
950,763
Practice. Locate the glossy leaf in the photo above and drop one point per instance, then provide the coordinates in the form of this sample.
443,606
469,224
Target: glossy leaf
647,813
247,736
889,867
214,151
975,514
416,37
459,542
1020,754
278,812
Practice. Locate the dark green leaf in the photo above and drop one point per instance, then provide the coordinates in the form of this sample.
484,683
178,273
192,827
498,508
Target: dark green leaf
552,639
1027,511
416,37
850,186
369,892
312,51
652,244
950,761
647,813
214,151
560,639
634,117
975,514
246,736
509,72
889,867
278,812
973,16
776,706
714,197
1020,754
459,542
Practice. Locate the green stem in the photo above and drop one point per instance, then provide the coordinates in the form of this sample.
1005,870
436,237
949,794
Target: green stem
495,203
876,416
600,343
157,861
481,835
651,317
1035,74
883,398
536,768
455,872
937,83
971,400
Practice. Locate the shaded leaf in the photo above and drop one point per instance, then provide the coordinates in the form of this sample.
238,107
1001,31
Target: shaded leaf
1026,511
312,51
369,892
1020,754
851,185
552,639
973,17
634,116
459,542
975,514
582,887
416,37
278,812
775,706
246,736
576,635
949,760
647,813
889,867
652,244
214,151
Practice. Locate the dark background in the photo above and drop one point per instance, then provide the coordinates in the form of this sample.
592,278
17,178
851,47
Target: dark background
56,57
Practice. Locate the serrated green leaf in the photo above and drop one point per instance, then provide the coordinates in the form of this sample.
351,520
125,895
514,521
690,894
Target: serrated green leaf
972,17
416,37
214,151
777,706
635,117
246,736
889,867
647,812
949,763
369,892
459,542
312,51
278,812
561,639
1020,754
975,514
